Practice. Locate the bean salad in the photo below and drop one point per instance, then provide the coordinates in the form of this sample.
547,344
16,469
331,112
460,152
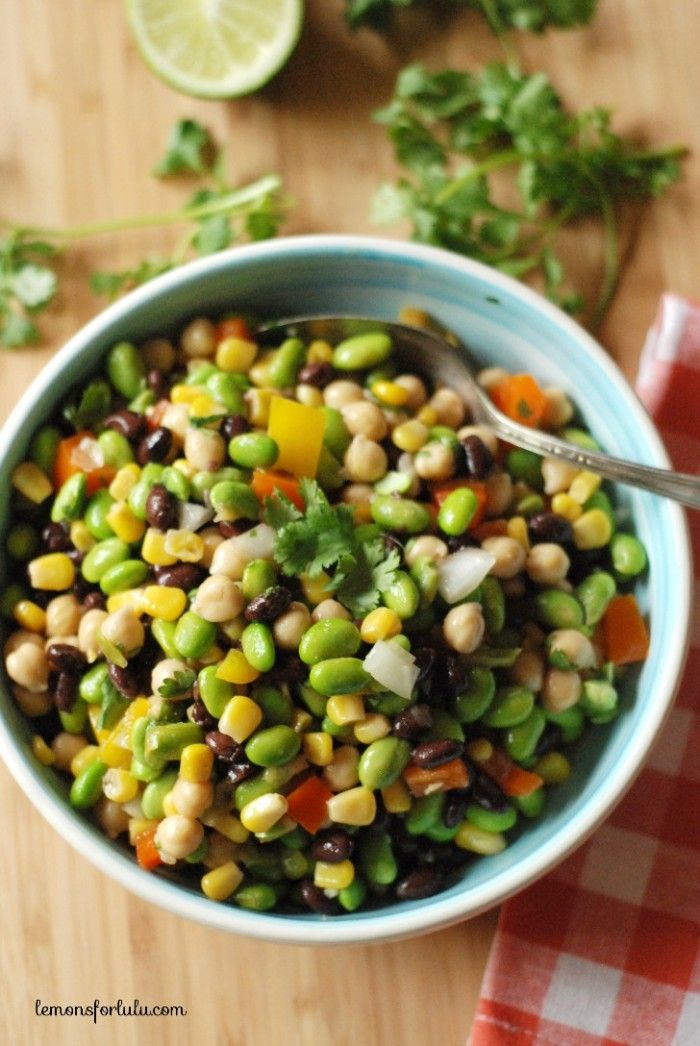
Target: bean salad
287,620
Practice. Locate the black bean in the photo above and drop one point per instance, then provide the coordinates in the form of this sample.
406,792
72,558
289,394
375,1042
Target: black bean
289,668
155,447
317,374
316,899
181,575
269,604
455,808
75,556
447,679
232,528
238,772
486,793
444,856
478,458
224,747
549,739
430,754
234,425
65,691
94,601
161,508
124,680
412,722
548,526
81,587
63,657
41,597
425,659
458,543
56,538
422,882
128,423
333,846
157,383
197,713
297,779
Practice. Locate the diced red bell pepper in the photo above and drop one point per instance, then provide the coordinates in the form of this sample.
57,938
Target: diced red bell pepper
625,633
453,774
267,482
307,804
510,777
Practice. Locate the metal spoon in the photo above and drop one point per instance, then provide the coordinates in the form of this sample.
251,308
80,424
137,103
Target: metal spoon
424,352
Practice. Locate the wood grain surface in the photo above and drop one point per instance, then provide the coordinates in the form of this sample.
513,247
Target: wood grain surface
81,124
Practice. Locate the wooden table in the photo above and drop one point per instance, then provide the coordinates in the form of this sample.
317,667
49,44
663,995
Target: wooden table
81,124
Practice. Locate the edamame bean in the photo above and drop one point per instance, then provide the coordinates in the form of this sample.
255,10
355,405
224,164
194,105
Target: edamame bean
521,740
382,762
336,436
142,769
234,500
253,450
286,363
440,833
530,505
90,687
205,481
339,675
258,646
42,449
580,438
176,483
475,701
256,897
215,693
275,746
531,805
277,706
425,813
73,722
426,577
376,858
352,897
362,351
102,557
22,541
200,374
443,434
250,789
594,594
165,742
296,865
87,787
457,511
164,634
140,404
526,466
193,635
401,514
96,515
329,472
258,576
558,609
70,500
598,697
315,702
493,604
130,573
115,448
155,792
329,638
492,820
393,483
228,390
126,369
511,706
570,722
445,726
402,596
628,554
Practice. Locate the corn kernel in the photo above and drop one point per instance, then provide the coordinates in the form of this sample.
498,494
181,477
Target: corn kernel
373,727
164,602
52,573
319,352
42,752
31,481
410,436
113,755
478,840
553,768
427,416
356,806
125,480
119,785
139,825
564,505
100,732
153,549
309,395
185,545
81,536
125,524
583,485
381,623
196,763
318,747
396,798
593,529
301,720
221,882
235,355
517,529
186,393
314,588
258,406
333,876
414,317
29,615
185,467
345,708
240,717
226,824
259,815
206,407
169,808
260,371
391,394
132,598
479,749
235,669
83,758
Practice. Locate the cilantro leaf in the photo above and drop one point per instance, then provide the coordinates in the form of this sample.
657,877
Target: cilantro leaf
179,684
372,573
111,284
17,331
190,150
278,511
34,285
93,405
529,15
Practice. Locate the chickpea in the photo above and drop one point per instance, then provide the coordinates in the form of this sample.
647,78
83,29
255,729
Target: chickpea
32,704
357,493
204,449
198,339
509,553
19,638
487,436
90,625
229,559
218,599
417,392
425,546
341,773
220,850
176,418
449,407
178,836
111,817
289,627
192,798
166,669
394,418
528,670
212,538
561,689
491,376
158,354
365,461
547,563
65,746
124,629
435,461
339,393
29,666
63,616
329,608
464,627
309,395
574,646
363,418
559,410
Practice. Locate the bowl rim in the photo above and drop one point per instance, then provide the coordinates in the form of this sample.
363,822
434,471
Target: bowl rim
438,912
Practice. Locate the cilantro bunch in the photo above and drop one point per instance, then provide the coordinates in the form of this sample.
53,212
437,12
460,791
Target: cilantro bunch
325,538
452,131
530,15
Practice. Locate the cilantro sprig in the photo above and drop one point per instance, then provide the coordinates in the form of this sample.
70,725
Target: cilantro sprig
452,131
324,537
178,684
216,215
530,15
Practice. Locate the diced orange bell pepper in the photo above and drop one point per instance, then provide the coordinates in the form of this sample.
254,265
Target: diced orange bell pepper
233,327
625,633
441,778
68,461
146,850
520,398
510,777
266,483
490,528
307,804
441,491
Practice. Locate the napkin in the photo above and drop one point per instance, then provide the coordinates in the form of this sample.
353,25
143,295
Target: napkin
604,951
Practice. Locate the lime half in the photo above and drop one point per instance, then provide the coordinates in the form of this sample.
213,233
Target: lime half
215,48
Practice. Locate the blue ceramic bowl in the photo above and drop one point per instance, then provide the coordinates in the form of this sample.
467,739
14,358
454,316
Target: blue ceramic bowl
503,323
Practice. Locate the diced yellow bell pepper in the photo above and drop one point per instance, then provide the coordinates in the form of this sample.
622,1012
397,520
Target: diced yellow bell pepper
298,432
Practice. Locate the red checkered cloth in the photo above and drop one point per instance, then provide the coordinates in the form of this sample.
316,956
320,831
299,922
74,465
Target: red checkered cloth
605,951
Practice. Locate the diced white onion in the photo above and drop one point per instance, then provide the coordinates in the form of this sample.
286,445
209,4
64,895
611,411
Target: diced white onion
462,572
392,667
257,543
192,516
